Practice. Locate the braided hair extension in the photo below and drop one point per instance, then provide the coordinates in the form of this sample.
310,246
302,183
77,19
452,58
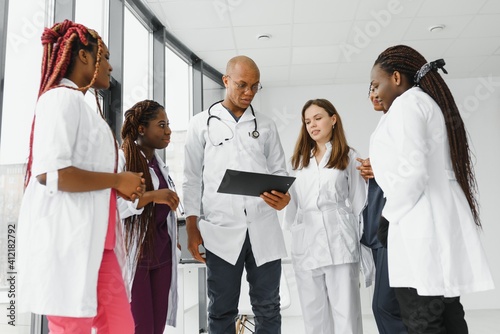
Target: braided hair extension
139,229
61,45
339,157
408,62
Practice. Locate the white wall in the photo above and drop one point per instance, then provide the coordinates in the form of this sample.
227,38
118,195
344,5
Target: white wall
479,101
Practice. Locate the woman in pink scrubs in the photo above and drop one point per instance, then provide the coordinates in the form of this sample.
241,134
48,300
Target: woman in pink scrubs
68,242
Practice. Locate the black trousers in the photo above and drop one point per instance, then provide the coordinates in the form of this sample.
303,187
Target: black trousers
223,289
431,314
385,306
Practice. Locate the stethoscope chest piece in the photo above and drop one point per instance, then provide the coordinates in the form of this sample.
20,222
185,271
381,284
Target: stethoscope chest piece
254,134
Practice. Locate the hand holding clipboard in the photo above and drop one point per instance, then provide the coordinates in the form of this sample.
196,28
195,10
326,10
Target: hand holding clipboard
253,184
271,188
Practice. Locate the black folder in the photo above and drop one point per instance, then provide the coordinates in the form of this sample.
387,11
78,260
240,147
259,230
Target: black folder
253,184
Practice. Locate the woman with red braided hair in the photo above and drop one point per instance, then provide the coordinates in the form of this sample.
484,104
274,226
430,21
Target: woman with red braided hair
150,223
420,157
69,241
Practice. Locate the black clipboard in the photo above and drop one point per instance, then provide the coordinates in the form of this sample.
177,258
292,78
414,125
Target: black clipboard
253,184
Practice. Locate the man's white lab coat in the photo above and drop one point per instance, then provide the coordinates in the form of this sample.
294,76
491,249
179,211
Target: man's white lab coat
226,218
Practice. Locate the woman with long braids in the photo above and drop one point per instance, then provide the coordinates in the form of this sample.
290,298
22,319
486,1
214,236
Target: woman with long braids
420,157
150,222
69,241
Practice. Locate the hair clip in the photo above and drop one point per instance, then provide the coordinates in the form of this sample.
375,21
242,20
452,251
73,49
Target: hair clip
433,65
439,63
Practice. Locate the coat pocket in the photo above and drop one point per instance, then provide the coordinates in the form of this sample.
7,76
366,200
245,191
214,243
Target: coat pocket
349,226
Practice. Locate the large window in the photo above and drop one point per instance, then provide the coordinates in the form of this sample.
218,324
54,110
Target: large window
22,78
94,15
136,61
23,54
178,106
178,92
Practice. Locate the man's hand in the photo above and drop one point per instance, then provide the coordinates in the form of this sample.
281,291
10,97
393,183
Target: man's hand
194,239
275,199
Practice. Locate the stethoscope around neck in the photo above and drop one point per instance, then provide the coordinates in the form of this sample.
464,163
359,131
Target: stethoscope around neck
254,134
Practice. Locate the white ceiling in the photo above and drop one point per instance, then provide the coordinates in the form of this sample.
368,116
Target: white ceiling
332,41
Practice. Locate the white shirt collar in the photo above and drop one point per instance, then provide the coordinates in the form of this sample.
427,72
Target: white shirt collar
67,82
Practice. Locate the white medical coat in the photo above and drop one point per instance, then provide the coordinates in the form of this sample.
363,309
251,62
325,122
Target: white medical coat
324,214
433,243
127,209
228,217
61,234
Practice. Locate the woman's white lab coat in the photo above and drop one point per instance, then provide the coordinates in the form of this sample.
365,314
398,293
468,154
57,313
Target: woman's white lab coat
127,209
227,218
433,243
324,214
61,234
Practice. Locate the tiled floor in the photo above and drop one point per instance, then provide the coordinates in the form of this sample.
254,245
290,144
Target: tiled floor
479,321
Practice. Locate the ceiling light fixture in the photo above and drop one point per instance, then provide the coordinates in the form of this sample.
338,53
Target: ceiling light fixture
264,37
437,28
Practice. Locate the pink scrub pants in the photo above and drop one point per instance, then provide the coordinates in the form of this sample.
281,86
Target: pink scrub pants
113,308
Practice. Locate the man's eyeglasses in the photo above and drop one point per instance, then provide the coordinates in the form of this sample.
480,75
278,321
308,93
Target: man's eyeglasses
243,87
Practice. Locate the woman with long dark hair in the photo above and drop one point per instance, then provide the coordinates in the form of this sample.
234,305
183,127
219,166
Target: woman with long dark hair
150,222
421,159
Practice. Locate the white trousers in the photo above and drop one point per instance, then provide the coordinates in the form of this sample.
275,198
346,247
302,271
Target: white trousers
330,299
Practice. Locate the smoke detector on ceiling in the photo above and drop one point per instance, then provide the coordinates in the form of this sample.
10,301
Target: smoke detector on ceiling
437,28
264,37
